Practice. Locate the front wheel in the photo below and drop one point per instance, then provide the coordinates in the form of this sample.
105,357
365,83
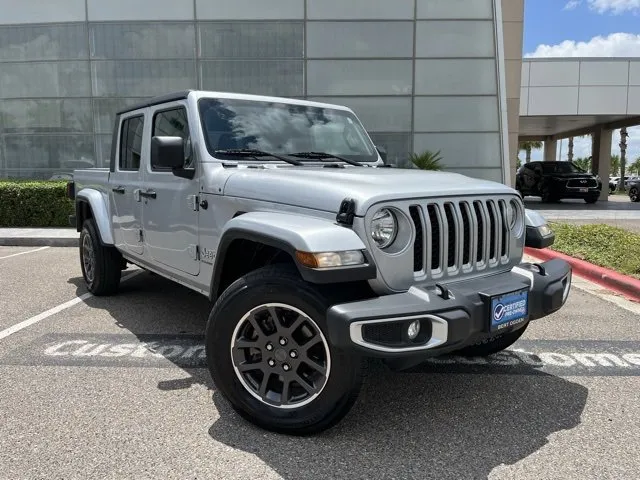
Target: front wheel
634,194
592,199
268,354
492,345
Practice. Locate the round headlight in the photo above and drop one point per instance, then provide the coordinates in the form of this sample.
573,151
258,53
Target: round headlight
384,228
511,215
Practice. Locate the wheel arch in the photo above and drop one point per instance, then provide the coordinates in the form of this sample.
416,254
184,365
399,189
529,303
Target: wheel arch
90,203
253,240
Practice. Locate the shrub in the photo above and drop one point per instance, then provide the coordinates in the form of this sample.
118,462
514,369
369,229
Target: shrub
427,160
34,204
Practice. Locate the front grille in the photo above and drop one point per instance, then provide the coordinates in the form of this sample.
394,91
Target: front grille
582,183
459,235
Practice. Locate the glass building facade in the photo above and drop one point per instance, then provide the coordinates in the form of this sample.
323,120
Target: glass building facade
420,74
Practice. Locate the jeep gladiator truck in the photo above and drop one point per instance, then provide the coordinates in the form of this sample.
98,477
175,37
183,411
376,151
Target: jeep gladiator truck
314,254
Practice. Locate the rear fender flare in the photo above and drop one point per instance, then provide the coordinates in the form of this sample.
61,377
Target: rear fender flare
100,210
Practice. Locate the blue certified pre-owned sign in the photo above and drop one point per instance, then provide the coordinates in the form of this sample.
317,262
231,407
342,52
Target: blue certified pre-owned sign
509,309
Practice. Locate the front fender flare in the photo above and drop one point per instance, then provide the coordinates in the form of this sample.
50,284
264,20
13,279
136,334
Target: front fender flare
292,233
100,210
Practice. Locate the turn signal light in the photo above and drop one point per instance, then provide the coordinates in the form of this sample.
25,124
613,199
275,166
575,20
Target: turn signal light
330,259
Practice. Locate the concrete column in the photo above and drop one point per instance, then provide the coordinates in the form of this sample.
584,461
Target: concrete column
601,159
550,150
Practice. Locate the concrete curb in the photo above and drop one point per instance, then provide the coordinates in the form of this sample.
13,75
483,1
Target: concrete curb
627,286
38,242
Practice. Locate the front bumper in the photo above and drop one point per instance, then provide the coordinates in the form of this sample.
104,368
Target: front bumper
578,193
451,316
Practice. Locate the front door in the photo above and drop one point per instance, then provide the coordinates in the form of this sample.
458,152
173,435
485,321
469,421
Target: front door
124,182
170,216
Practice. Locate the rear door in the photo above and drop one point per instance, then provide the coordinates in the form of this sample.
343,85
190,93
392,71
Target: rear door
125,181
170,210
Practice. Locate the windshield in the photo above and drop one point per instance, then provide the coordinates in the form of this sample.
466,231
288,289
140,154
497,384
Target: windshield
560,167
283,128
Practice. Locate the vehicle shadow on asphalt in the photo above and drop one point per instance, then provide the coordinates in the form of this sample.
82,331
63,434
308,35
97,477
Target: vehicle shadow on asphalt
566,204
424,424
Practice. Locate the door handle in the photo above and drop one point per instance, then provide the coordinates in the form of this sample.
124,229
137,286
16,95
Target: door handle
118,189
148,194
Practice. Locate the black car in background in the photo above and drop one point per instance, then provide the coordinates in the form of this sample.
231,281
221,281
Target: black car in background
634,189
553,181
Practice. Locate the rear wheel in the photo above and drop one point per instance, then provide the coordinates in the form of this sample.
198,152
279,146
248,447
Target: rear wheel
268,354
492,345
634,194
101,265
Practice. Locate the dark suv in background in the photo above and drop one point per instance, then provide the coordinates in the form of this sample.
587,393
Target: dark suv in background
553,181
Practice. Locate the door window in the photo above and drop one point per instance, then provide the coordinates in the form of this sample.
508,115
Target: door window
174,123
131,143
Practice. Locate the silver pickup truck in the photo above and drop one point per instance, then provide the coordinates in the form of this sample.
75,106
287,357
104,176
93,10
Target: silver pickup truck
315,254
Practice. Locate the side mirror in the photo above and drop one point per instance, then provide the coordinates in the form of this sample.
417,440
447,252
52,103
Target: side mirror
383,153
167,152
538,234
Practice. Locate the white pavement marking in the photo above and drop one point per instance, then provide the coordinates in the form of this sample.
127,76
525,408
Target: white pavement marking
52,311
24,253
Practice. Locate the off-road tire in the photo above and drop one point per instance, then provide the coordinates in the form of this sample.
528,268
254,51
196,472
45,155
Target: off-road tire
279,284
492,345
106,262
634,194
592,199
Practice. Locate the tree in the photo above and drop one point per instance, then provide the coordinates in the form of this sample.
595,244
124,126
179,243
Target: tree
623,157
615,164
583,163
570,152
528,146
427,160
635,167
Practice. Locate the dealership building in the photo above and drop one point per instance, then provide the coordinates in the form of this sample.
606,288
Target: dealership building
420,74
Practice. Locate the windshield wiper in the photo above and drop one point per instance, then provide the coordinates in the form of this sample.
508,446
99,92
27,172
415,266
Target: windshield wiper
250,152
325,156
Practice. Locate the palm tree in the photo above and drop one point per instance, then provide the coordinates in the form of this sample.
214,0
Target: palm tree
635,167
623,157
615,164
583,163
528,146
570,151
427,160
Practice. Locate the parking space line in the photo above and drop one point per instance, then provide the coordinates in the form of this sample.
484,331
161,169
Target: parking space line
52,311
24,253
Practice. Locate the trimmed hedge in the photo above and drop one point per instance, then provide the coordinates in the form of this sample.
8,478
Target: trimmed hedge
34,203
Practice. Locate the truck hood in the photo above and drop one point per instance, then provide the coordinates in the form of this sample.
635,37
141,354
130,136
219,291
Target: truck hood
325,188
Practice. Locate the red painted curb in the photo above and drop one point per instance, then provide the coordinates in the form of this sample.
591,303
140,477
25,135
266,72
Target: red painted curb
617,282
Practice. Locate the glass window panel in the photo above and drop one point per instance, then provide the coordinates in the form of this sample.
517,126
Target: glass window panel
455,9
386,114
456,114
462,150
456,77
142,40
104,111
359,39
140,9
59,79
359,77
43,42
61,152
173,123
43,11
250,10
455,39
252,40
131,143
264,77
46,116
360,9
142,78
397,145
103,150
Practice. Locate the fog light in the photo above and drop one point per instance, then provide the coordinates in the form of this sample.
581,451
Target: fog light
413,330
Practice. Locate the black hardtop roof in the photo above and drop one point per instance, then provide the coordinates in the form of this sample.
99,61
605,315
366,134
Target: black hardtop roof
169,97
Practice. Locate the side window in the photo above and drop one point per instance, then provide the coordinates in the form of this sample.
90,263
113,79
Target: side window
131,143
174,123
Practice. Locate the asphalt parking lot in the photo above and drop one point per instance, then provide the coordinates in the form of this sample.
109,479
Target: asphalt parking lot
115,388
